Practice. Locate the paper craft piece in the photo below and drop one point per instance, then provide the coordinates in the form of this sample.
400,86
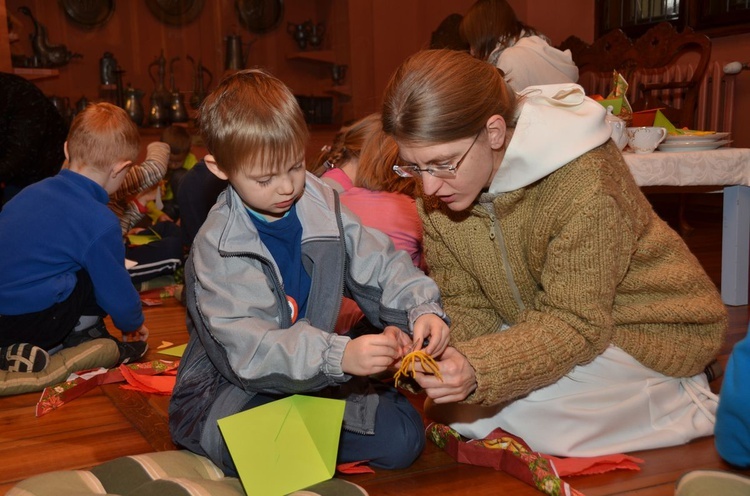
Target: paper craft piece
129,264
153,384
141,239
174,351
594,465
660,120
360,467
285,445
53,397
505,452
619,92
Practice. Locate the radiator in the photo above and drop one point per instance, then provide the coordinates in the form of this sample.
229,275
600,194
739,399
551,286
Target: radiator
715,102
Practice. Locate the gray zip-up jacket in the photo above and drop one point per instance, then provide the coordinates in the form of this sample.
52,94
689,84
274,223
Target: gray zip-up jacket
242,340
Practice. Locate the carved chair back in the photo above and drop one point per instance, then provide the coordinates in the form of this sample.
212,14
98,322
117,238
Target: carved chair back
664,68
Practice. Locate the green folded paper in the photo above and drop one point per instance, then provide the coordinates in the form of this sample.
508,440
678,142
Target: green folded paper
285,445
660,120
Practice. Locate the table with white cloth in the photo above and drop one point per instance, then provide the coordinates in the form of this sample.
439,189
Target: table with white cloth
727,169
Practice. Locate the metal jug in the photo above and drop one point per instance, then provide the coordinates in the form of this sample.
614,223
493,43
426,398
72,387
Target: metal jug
176,105
161,96
133,105
235,59
200,86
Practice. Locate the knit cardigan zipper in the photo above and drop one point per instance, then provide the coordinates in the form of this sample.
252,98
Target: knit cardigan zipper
496,234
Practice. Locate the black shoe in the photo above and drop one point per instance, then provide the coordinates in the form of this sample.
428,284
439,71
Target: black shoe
713,371
23,357
131,351
96,331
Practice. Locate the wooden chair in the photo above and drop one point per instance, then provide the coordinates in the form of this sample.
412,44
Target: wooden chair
664,69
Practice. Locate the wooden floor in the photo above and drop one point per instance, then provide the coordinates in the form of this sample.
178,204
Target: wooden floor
110,422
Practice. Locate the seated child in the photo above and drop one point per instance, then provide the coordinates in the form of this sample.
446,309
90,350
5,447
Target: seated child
62,260
181,160
135,203
264,281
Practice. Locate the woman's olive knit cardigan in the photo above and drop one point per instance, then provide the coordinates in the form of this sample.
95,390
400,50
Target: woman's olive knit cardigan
591,265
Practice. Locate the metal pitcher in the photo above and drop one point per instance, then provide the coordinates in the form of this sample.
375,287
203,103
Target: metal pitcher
235,59
200,86
133,105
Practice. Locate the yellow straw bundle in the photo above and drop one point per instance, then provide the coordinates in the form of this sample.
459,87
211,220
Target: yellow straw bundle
407,365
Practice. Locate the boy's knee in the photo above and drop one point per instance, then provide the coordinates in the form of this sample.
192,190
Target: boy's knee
407,442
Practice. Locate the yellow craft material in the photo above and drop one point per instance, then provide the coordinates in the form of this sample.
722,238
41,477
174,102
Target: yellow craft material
407,369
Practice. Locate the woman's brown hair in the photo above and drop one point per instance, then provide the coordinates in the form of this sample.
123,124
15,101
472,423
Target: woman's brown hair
439,96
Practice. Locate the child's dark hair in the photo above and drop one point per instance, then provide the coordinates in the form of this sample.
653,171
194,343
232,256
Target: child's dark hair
178,139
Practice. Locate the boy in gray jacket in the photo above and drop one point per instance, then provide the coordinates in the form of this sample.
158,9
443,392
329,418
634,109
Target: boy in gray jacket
264,283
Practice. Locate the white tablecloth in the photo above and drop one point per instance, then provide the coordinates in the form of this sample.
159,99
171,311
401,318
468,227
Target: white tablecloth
726,167
720,167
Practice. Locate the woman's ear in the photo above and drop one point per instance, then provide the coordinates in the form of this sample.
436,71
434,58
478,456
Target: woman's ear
496,130
214,167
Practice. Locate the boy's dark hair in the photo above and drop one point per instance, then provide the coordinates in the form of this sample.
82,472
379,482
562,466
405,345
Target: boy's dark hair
178,139
252,119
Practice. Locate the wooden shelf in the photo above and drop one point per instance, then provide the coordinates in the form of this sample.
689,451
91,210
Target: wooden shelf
324,56
31,73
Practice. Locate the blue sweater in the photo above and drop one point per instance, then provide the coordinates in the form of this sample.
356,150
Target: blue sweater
733,416
50,231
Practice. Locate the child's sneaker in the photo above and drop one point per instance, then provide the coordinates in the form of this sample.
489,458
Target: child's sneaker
95,331
131,351
707,482
23,357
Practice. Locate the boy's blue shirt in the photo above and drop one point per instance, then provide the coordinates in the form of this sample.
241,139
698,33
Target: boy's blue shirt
283,238
50,231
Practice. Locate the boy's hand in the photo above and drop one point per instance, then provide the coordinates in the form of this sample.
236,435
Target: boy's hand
371,353
139,335
433,327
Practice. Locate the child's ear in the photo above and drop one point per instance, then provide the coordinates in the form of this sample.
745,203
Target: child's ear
120,167
214,167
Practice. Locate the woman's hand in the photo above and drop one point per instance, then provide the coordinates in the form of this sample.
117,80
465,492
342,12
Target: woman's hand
372,353
458,378
433,327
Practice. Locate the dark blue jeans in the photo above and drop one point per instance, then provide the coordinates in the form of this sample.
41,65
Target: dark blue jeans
49,327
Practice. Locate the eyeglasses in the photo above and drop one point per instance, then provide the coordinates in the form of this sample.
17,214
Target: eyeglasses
442,171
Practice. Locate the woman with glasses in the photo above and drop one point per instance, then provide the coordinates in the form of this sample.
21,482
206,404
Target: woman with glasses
580,321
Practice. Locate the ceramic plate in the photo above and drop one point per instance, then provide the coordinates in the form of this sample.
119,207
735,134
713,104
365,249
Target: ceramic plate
692,138
692,146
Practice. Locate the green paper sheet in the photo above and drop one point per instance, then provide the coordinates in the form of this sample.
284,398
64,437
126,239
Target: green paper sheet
660,120
174,350
285,445
142,239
